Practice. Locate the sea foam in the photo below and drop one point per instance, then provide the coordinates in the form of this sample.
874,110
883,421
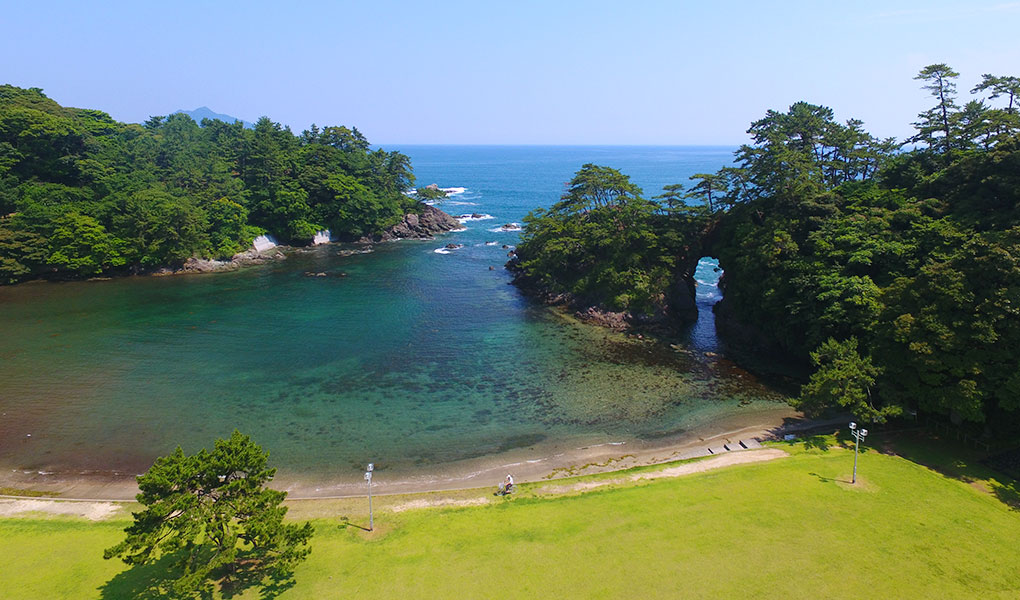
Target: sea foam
474,217
507,227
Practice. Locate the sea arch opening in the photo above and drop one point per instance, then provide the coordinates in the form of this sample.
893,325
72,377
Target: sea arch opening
707,276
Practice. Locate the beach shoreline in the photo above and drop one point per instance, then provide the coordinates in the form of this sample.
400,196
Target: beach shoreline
555,460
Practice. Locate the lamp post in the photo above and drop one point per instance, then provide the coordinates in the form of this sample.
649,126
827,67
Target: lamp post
859,434
368,478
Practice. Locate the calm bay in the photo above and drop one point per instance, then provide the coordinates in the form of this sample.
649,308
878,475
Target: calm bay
415,356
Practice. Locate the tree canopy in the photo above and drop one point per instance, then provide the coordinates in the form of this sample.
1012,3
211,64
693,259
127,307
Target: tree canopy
605,244
212,516
81,194
894,275
900,283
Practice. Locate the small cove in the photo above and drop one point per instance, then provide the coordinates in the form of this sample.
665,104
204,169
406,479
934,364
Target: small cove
417,360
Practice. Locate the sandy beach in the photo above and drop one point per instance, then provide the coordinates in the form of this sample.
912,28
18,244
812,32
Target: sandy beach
543,462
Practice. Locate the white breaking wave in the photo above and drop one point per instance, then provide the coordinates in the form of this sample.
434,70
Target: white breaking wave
441,251
453,190
460,203
321,237
506,227
474,217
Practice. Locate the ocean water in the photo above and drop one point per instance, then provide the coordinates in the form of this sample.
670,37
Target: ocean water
413,355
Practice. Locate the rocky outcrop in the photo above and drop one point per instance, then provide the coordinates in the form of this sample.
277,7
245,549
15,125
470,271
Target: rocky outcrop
604,318
428,224
242,259
664,320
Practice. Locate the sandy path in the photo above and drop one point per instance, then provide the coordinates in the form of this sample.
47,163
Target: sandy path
725,460
98,510
93,511
438,503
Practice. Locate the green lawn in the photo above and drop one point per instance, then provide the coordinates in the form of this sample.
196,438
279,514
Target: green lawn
787,528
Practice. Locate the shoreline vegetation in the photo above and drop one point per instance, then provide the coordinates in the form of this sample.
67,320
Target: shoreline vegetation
83,196
424,225
891,275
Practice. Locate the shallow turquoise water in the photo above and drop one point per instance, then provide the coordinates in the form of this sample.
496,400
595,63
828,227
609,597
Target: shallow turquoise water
414,359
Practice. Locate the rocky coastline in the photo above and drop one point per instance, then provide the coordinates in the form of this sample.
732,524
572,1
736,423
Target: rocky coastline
677,310
414,226
424,226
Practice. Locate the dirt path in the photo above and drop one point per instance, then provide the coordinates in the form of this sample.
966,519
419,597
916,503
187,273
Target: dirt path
438,503
724,460
318,508
700,466
93,511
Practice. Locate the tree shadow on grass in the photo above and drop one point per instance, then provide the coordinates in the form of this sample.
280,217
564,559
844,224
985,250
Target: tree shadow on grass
155,582
816,442
1007,493
271,584
824,442
952,459
812,432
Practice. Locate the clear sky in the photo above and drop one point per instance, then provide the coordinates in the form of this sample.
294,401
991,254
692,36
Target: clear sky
522,72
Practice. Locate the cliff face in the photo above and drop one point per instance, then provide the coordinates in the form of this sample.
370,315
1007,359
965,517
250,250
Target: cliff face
429,223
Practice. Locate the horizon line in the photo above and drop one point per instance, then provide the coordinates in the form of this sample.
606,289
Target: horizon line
557,145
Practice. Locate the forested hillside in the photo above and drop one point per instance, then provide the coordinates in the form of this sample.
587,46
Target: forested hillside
81,194
895,273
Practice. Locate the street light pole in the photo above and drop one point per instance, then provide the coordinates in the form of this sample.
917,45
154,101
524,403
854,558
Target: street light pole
859,434
368,478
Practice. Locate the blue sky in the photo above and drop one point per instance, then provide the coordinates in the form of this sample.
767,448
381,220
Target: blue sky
643,72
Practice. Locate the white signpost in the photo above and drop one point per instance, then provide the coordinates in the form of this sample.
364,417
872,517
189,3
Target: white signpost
859,434
368,478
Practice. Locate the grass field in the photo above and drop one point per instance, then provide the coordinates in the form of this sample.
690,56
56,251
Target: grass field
791,527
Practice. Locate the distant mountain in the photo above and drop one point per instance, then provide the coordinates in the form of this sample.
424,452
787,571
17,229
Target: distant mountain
206,113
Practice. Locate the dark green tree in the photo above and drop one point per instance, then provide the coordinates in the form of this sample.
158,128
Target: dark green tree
673,199
710,189
430,194
844,378
1000,86
937,126
596,186
158,194
604,244
211,513
81,244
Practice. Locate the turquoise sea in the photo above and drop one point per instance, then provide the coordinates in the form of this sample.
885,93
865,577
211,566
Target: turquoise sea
416,359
